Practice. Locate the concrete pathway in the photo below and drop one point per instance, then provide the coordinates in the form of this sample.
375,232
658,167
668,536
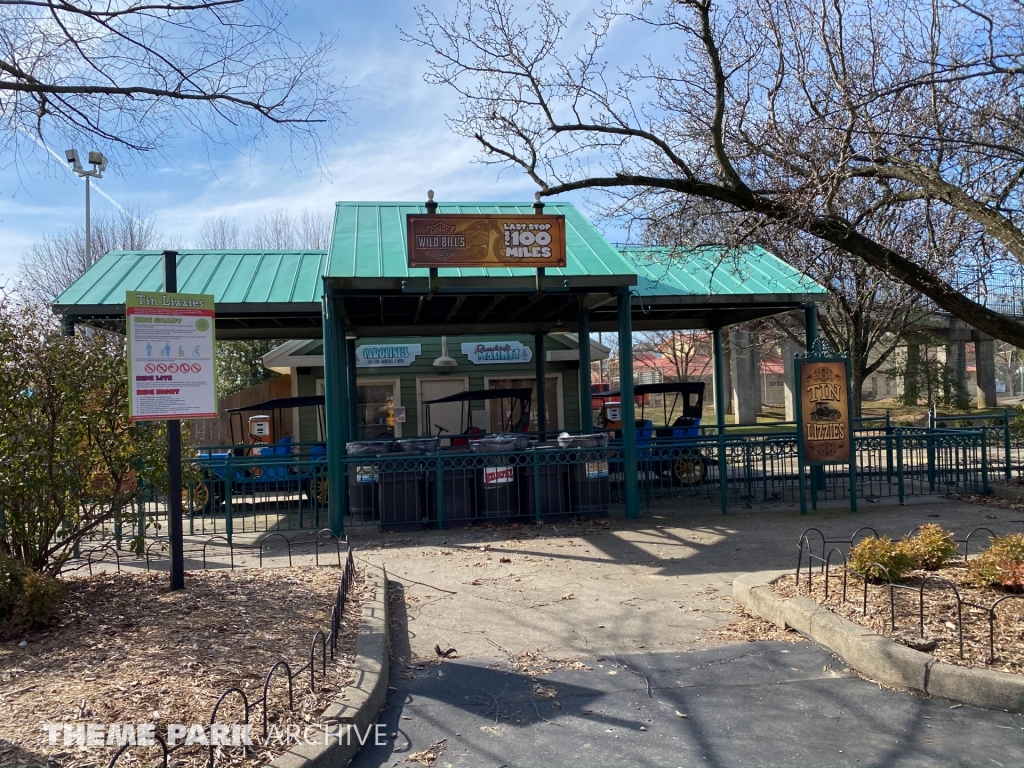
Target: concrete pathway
656,584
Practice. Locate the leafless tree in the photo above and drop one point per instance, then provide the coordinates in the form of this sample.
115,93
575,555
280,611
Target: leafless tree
123,76
239,363
278,230
221,233
688,353
52,264
764,115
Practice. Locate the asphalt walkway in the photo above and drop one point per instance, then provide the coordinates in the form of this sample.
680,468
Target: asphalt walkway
752,704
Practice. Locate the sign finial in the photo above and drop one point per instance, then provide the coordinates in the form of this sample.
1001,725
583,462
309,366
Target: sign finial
431,206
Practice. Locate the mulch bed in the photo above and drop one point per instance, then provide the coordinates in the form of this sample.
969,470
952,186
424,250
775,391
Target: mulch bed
940,614
128,650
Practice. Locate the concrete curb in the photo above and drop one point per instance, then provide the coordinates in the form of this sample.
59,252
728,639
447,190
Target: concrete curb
876,656
1008,492
351,718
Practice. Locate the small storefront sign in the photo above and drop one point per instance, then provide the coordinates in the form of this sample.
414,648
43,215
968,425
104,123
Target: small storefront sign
171,361
386,355
825,433
486,240
499,475
487,353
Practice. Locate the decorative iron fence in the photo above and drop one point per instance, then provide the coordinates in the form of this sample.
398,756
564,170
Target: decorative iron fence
281,672
825,564
231,490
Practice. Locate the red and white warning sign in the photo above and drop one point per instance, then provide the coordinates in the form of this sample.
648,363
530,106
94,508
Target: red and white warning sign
499,475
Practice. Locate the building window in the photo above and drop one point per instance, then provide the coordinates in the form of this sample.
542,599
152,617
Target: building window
375,410
551,393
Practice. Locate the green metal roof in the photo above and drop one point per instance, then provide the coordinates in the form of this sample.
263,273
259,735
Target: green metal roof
233,277
277,294
369,241
715,271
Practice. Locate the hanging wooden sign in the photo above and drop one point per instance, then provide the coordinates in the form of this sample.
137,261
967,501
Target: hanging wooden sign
824,420
486,240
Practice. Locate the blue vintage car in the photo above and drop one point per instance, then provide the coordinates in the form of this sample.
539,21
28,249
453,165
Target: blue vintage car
668,448
253,466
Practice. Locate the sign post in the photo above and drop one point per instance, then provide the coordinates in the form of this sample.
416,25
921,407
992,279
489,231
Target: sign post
172,376
824,421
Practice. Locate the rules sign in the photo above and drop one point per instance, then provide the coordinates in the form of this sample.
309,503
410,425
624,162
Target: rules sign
171,361
824,411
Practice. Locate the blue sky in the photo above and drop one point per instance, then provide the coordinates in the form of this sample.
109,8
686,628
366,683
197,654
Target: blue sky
396,148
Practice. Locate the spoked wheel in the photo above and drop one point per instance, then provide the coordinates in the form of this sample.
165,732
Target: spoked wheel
200,498
689,470
317,489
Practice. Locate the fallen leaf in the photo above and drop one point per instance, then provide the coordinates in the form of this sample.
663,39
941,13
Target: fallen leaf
505,560
567,597
680,714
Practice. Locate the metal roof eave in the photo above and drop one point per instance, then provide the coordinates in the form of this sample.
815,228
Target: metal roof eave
278,309
485,284
741,299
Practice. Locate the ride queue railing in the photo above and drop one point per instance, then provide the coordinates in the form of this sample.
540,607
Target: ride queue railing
232,491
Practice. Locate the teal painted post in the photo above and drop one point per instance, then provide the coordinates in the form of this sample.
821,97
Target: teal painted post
984,463
718,360
140,527
439,490
930,438
1007,448
353,390
229,521
899,465
888,447
336,389
586,398
629,474
538,363
536,483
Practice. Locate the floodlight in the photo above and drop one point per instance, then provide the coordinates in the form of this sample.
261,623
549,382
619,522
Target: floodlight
97,158
72,157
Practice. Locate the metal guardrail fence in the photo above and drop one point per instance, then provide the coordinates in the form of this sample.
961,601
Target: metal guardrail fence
234,491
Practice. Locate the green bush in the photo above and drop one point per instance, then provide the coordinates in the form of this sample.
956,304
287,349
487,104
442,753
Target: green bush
894,556
931,547
12,578
1002,564
28,599
41,597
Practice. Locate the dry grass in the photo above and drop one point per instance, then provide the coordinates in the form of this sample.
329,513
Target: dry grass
940,615
129,651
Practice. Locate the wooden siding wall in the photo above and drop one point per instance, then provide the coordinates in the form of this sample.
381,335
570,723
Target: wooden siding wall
423,367
218,431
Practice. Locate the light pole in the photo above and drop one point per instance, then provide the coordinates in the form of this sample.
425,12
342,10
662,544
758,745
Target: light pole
99,165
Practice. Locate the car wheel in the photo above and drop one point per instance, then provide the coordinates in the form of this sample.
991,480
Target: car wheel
689,470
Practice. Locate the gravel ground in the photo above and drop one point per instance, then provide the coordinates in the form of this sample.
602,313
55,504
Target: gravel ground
127,650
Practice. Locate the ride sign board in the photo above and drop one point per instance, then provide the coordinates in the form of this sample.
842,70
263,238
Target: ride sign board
494,352
171,361
486,240
825,426
387,355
